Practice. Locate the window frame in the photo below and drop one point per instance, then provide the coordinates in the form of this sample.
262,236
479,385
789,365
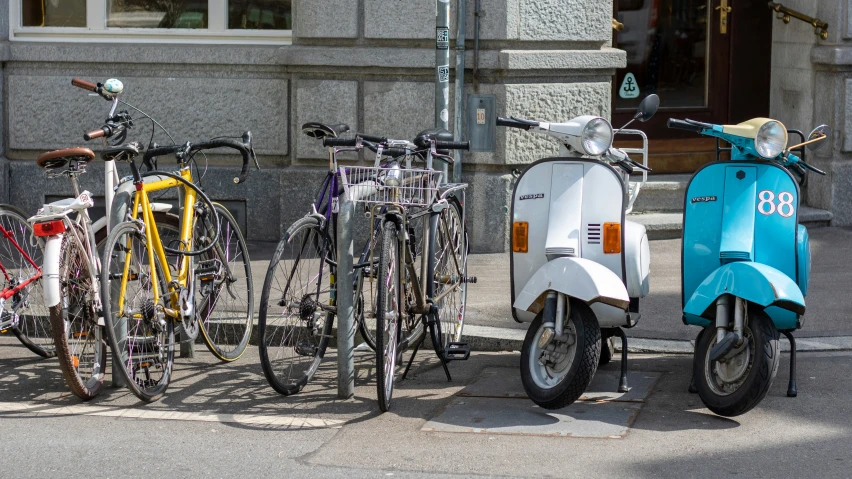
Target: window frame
217,31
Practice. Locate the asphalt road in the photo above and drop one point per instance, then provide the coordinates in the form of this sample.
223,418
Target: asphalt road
219,420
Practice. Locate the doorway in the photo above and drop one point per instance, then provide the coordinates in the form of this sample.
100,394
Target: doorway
704,63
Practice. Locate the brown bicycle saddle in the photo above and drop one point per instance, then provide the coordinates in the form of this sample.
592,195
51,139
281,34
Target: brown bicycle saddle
59,158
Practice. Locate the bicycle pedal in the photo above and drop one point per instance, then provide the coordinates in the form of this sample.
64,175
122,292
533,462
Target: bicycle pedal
457,352
307,350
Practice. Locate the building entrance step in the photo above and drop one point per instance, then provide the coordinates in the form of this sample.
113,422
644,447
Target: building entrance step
669,224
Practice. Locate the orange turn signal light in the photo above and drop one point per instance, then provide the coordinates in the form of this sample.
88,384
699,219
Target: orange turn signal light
612,238
520,236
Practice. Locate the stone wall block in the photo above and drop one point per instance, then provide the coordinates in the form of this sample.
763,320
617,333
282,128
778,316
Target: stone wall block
573,20
325,19
325,101
45,112
489,197
554,102
398,110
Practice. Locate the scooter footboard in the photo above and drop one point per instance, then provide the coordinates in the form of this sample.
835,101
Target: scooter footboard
754,282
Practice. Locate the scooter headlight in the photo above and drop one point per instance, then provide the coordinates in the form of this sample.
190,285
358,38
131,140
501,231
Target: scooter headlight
597,137
771,139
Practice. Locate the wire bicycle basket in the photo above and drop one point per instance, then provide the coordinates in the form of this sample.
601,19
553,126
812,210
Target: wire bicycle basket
398,186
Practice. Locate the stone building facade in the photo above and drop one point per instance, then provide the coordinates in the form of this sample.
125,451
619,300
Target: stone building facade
370,64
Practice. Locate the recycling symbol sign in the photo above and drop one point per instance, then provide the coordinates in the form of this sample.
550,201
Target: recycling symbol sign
629,88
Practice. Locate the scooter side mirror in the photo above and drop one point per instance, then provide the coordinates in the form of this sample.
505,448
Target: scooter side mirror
821,133
647,108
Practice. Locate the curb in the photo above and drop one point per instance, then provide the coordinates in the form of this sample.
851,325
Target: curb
487,338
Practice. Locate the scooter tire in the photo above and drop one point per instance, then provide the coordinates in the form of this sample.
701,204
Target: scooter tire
607,348
764,367
582,369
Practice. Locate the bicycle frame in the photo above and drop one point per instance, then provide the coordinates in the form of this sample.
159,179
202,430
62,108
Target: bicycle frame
10,291
141,202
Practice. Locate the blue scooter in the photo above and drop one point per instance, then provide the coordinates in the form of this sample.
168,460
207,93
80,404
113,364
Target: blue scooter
746,260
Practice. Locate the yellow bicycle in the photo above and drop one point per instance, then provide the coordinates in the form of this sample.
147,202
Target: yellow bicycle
198,281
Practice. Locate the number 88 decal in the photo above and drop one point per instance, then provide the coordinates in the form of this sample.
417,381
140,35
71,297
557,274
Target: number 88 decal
766,205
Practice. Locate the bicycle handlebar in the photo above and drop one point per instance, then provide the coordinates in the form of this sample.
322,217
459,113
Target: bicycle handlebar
452,145
85,85
100,132
243,145
516,123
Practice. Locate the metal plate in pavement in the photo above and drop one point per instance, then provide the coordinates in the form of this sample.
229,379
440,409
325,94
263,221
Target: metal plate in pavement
506,383
488,415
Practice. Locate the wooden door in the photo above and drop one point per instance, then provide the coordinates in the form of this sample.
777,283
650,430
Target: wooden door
701,68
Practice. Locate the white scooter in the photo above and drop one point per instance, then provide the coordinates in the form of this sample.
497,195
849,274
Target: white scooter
578,267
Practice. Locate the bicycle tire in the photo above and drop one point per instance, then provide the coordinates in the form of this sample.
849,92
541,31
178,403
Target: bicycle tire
80,345
221,332
33,329
145,342
412,327
291,346
451,240
388,314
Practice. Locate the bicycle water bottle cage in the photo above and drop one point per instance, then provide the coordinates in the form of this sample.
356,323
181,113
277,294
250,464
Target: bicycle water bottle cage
321,130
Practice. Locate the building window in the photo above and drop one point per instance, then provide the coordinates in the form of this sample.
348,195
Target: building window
202,21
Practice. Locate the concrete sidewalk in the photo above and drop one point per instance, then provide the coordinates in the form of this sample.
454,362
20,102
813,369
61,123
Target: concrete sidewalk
222,420
489,323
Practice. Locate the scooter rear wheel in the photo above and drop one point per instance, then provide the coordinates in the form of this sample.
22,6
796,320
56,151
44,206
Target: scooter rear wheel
553,384
735,387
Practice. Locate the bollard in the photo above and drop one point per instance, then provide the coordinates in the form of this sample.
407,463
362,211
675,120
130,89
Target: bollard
345,301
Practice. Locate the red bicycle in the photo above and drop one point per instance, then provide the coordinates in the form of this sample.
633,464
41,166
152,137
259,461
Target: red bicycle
22,309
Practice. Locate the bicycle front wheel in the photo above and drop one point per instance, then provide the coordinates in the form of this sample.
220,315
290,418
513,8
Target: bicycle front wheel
78,338
388,314
294,326
25,310
224,287
450,250
142,340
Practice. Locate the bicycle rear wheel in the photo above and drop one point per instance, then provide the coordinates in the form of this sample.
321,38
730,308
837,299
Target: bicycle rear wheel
78,338
32,326
450,290
388,314
141,339
294,327
225,289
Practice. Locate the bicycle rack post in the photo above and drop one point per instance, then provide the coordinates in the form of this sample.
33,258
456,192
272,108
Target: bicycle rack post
345,301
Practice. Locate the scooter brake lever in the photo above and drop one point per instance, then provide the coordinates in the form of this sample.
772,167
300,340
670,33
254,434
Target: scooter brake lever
638,165
812,168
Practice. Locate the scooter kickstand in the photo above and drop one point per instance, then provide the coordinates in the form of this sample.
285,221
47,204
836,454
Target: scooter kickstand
622,383
791,387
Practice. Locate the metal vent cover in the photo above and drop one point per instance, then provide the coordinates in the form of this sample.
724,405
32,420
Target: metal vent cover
593,233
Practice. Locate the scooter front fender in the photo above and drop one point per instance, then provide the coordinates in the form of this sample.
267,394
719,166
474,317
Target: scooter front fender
754,282
578,278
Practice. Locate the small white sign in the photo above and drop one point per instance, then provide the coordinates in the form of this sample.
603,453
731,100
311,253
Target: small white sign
629,88
480,116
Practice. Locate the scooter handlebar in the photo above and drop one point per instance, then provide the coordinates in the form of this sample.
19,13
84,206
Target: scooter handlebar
685,125
515,123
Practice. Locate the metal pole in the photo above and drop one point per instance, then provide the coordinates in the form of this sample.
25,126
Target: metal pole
442,69
345,301
458,115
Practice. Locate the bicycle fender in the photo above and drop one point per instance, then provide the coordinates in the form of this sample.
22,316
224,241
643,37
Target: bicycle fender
50,270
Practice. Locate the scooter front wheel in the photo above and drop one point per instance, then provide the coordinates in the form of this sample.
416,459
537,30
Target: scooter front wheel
738,383
559,373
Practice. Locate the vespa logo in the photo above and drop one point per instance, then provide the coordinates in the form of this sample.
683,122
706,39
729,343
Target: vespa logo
533,196
703,199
